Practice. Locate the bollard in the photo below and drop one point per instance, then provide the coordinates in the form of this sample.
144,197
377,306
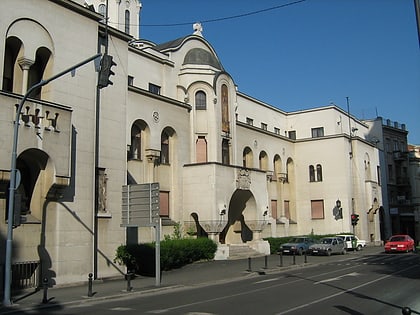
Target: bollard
294,258
45,288
249,264
306,257
406,310
90,278
265,262
128,277
281,259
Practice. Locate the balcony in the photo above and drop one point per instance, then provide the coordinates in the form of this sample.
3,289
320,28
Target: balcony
43,125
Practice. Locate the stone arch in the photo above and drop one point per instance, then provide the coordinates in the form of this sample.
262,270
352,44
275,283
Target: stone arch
28,56
242,208
37,174
247,158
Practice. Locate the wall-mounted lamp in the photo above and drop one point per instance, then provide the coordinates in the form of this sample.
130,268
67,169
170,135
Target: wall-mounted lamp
354,129
265,212
223,210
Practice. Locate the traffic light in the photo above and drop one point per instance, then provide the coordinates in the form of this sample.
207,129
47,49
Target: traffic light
354,219
105,72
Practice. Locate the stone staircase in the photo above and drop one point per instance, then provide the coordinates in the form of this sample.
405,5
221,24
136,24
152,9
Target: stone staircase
242,251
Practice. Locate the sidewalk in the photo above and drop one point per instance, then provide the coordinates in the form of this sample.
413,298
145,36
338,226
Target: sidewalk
196,274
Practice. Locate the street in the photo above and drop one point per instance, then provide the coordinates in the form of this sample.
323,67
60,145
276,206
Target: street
372,284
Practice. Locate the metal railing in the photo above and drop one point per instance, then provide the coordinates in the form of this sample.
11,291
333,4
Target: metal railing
25,275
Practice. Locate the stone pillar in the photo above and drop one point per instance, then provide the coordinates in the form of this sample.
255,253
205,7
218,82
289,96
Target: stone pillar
25,64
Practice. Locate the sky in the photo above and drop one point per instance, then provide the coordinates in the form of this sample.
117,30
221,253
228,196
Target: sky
300,54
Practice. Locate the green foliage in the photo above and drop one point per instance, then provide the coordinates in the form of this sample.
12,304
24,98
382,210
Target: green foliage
177,234
174,253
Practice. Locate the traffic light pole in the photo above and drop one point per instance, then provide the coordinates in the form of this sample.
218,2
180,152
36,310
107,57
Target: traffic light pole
13,171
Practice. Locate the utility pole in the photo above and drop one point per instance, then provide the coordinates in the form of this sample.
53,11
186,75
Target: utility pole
13,185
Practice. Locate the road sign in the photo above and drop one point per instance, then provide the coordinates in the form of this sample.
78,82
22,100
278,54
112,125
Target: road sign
140,205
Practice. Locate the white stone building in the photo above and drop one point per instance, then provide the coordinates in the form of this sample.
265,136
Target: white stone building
237,168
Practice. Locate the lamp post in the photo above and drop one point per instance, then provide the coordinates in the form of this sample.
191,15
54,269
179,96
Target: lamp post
13,171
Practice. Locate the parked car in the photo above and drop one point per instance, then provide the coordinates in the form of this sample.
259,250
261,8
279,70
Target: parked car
399,243
328,246
297,245
352,241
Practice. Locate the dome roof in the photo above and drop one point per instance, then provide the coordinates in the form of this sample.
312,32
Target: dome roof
199,56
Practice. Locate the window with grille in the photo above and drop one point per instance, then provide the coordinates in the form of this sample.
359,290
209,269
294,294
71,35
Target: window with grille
153,88
200,100
317,132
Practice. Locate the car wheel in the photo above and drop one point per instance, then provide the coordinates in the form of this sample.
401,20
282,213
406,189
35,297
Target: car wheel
359,247
343,252
329,252
300,251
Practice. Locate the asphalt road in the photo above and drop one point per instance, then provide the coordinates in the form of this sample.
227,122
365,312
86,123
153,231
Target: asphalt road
372,284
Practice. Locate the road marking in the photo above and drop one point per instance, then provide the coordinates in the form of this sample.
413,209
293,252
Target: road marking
342,292
267,280
352,274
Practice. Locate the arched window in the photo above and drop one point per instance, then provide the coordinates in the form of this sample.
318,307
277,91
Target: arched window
200,100
164,148
318,173
225,109
135,148
102,11
311,173
247,160
127,21
263,161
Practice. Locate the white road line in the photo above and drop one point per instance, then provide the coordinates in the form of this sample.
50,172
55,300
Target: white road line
341,293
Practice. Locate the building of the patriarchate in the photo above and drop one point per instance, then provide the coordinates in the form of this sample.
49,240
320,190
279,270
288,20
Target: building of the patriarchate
229,166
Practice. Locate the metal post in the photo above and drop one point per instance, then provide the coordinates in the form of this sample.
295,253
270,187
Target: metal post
45,287
306,257
128,277
281,259
294,258
13,171
90,280
157,253
249,264
265,262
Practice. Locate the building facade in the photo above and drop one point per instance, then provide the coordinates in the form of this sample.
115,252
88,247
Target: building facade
229,166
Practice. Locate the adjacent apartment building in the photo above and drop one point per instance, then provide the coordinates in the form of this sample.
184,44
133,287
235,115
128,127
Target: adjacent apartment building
229,166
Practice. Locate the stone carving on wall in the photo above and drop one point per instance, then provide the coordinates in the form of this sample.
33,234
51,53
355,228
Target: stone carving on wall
243,180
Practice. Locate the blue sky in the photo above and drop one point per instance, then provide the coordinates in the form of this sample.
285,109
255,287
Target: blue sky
308,54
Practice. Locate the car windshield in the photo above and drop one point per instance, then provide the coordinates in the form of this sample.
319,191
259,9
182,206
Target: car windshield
326,241
297,240
397,239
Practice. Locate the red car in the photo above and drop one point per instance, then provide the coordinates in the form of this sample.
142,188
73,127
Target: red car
399,243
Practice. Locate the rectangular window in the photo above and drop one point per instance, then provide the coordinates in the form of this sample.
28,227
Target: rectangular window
274,209
130,80
287,209
153,88
250,121
263,126
317,132
292,134
378,173
317,209
276,130
164,203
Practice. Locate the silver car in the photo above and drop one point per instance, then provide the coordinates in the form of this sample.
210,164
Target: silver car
328,246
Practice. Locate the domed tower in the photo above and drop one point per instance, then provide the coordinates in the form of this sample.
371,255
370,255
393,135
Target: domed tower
123,15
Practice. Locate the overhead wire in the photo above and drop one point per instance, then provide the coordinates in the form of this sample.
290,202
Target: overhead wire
224,18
